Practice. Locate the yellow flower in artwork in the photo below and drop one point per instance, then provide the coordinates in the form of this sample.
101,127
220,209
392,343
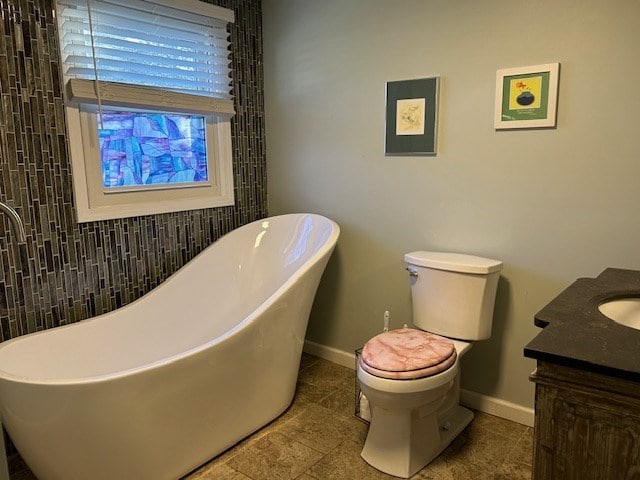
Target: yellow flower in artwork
525,93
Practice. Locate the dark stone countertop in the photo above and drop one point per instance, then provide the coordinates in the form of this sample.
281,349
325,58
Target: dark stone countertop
575,333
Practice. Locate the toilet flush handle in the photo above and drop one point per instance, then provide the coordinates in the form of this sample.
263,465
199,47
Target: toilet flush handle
412,272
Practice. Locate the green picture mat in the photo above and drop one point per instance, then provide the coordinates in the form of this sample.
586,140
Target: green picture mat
424,144
538,113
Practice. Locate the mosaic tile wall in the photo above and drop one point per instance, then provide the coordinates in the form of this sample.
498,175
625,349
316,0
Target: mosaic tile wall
67,272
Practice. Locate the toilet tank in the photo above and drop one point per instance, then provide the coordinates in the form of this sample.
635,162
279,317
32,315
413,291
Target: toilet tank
453,294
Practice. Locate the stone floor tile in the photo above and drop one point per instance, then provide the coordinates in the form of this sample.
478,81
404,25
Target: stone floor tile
327,375
274,457
320,428
478,448
341,401
306,476
438,469
307,360
238,447
345,463
512,471
216,471
310,393
485,422
523,450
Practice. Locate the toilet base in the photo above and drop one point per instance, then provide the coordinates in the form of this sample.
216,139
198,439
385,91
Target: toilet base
402,443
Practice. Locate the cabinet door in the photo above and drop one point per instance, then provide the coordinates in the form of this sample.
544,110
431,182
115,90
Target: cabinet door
585,435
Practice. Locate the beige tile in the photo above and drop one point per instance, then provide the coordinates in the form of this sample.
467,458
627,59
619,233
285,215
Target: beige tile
517,465
438,469
522,452
512,471
485,422
320,428
307,360
309,393
216,471
306,476
475,452
327,375
274,457
345,463
238,447
341,401
470,471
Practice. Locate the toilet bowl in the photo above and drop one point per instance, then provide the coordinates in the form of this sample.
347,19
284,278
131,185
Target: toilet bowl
411,376
412,421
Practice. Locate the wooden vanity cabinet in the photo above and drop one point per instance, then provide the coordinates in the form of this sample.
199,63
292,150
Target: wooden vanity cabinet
587,425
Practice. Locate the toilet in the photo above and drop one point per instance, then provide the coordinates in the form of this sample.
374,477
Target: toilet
411,376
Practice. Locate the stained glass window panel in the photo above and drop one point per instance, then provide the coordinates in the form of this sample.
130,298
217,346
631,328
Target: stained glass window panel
142,149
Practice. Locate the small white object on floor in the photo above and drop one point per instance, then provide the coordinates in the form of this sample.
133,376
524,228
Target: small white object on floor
365,410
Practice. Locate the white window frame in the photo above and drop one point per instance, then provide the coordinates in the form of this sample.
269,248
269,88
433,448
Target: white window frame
93,203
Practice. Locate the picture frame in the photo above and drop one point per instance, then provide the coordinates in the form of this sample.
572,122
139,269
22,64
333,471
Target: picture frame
412,117
527,97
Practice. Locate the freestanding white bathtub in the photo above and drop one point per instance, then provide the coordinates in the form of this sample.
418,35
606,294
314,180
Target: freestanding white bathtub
156,388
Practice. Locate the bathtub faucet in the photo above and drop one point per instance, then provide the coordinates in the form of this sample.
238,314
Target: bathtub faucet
16,222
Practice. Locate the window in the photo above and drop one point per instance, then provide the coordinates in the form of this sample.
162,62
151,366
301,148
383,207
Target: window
148,103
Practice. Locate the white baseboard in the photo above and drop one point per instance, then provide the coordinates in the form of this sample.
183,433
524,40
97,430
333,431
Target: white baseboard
334,355
484,403
496,406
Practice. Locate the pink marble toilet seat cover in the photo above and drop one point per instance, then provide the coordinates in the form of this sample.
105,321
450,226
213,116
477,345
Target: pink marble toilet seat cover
411,374
407,353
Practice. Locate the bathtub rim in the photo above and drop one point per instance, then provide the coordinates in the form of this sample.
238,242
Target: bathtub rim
325,249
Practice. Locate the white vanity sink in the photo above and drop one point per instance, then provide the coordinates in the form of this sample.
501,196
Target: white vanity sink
625,311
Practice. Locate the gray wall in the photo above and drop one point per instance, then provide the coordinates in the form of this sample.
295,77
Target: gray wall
553,204
67,272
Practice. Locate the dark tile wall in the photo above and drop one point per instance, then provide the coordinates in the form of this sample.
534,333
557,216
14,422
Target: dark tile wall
67,272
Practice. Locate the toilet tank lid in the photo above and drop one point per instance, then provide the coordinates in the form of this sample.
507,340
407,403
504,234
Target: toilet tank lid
453,262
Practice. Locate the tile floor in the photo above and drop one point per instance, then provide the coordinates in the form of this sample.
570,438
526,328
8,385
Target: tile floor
318,438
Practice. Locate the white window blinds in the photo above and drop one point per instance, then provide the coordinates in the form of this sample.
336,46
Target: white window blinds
140,50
